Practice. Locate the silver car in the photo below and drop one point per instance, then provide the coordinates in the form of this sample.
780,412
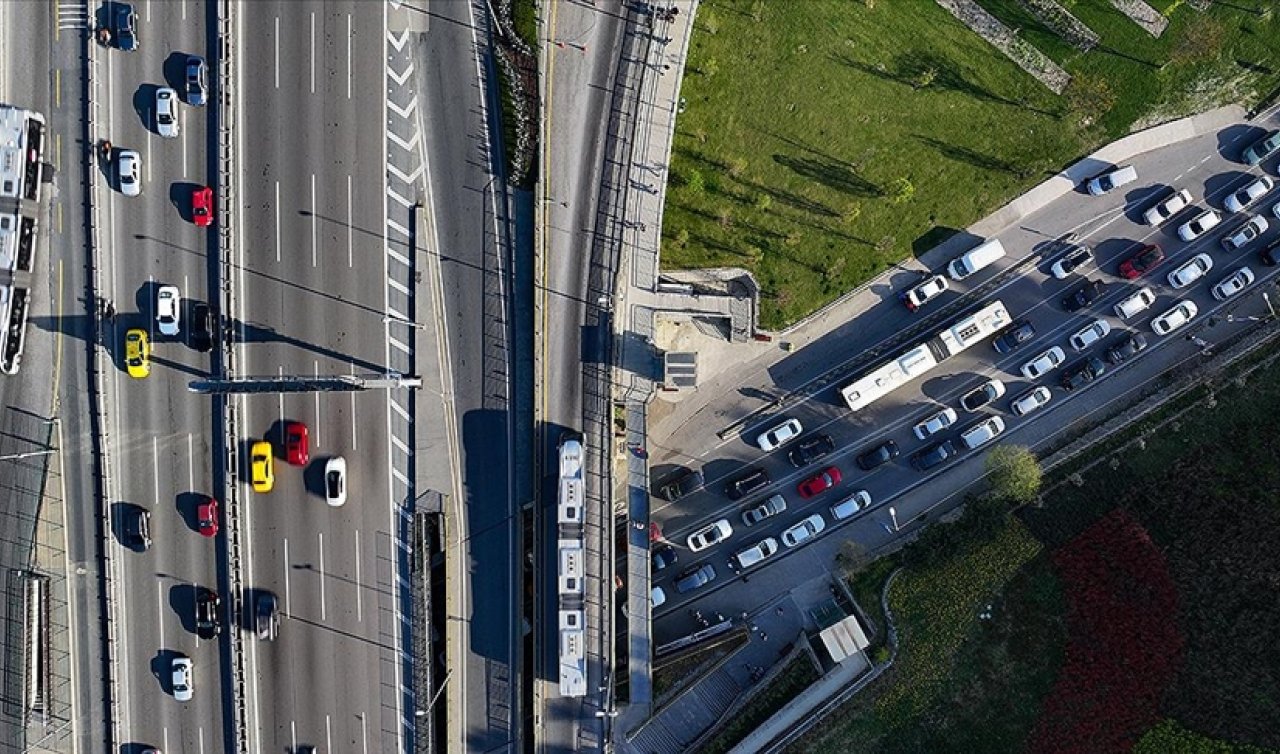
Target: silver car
1239,280
1090,334
804,531
167,112
712,534
1181,313
1240,200
1030,400
1044,363
1199,225
935,423
129,172
1190,271
1167,208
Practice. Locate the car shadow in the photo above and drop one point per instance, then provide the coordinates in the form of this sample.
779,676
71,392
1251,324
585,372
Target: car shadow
174,72
121,515
162,668
144,105
1219,186
1235,138
182,601
180,194
1142,199
186,504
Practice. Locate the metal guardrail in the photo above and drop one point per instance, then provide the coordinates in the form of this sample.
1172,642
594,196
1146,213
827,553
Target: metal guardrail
224,116
97,399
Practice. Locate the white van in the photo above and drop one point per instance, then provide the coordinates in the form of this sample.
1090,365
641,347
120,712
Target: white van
658,596
1136,303
850,505
975,259
1113,179
757,552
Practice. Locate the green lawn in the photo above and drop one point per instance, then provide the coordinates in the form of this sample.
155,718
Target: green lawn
824,141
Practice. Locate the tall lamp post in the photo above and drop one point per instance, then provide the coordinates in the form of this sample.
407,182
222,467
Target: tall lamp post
893,514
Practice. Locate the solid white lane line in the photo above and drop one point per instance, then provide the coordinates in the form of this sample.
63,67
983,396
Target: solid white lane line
359,586
364,734
191,465
155,472
160,610
328,734
185,171
314,244
323,610
313,53
194,589
293,735
350,240
184,10
288,609
166,739
315,435
277,206
348,70
280,396
200,734
276,37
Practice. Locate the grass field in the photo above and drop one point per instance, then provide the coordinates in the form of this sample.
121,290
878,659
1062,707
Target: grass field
1205,488
824,141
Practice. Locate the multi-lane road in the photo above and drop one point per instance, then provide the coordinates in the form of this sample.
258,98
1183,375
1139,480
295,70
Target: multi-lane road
159,436
1207,166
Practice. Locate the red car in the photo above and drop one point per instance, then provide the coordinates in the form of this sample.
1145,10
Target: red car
202,206
1141,263
823,481
297,448
207,517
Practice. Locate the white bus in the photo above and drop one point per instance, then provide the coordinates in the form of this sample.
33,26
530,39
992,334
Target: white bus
919,359
22,137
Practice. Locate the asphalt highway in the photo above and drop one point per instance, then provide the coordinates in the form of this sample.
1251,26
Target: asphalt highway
311,279
1207,166
159,435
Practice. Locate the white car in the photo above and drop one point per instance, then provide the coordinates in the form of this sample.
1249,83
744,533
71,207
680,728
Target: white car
1239,280
711,534
1181,313
1090,334
183,680
1078,259
922,293
167,112
935,422
1044,363
982,433
788,430
1167,208
168,310
1241,199
129,172
335,481
803,531
1136,303
1190,271
1030,400
1199,225
1245,234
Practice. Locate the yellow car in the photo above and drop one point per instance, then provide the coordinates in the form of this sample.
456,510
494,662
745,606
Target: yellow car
137,353
262,466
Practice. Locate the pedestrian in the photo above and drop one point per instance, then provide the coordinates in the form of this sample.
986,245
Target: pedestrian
754,627
779,610
764,636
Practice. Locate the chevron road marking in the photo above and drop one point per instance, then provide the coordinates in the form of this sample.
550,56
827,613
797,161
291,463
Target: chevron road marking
404,112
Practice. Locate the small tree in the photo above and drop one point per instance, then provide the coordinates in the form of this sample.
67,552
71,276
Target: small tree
1014,473
924,77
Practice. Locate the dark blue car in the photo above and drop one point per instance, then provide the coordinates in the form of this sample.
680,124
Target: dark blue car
125,25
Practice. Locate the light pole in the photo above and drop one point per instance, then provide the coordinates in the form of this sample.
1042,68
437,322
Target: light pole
893,514
1266,297
388,319
1233,318
29,454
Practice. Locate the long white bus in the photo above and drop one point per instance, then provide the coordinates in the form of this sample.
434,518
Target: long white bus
918,360
571,568
22,139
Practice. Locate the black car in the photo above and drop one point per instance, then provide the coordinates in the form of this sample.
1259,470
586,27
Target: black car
266,616
879,455
810,449
124,26
207,606
201,327
197,80
1084,295
933,455
1014,335
1082,373
1127,348
982,395
663,556
1271,254
695,577
749,482
137,527
685,484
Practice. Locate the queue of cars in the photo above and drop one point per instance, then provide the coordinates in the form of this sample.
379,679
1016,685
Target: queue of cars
1090,341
